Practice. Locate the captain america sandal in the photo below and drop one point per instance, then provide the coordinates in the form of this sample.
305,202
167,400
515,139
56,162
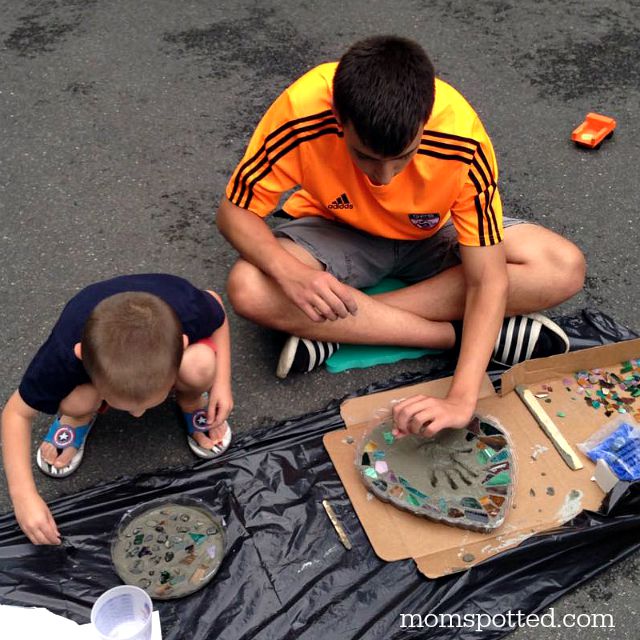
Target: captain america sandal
62,436
196,422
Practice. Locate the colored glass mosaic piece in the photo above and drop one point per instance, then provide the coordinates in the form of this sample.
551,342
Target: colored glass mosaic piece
471,503
500,457
417,493
198,538
396,491
411,499
371,472
381,484
381,466
501,478
485,455
388,437
370,447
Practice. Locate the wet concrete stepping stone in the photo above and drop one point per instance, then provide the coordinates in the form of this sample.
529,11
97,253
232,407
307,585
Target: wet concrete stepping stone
177,546
462,477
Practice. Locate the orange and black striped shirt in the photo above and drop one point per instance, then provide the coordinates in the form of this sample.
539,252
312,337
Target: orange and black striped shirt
299,143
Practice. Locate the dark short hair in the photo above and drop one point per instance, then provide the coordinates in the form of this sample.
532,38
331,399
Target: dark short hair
132,345
384,86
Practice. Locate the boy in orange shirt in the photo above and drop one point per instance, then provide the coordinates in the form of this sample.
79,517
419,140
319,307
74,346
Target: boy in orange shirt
396,176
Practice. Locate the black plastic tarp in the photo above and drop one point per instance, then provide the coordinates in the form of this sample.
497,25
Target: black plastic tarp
285,574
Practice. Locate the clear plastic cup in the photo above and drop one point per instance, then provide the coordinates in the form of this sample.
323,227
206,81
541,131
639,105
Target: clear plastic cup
122,613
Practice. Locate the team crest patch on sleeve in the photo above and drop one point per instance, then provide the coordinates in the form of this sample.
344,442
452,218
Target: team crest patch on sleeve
424,220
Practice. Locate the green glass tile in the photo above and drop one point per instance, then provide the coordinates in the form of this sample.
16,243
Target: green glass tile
388,437
415,492
484,455
197,537
501,478
503,455
411,499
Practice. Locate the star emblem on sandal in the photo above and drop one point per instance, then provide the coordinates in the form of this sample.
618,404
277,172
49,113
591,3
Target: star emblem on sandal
200,421
63,437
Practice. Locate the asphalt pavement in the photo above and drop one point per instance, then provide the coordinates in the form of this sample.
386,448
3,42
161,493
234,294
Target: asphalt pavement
120,123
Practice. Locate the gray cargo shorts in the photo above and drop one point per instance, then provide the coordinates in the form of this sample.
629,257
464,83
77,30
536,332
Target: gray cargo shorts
362,260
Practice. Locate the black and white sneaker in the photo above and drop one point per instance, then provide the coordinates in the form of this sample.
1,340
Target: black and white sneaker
528,336
301,355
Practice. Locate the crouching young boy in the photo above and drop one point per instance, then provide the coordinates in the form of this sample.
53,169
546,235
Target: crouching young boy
124,343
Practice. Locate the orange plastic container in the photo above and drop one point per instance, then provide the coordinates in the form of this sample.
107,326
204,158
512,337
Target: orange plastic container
593,131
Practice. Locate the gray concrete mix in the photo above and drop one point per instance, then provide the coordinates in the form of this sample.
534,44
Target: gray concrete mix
121,122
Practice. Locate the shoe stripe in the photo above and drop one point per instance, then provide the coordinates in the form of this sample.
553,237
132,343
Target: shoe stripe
511,341
321,353
523,334
508,340
312,353
533,337
499,341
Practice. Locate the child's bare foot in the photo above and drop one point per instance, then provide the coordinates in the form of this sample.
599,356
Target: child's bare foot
205,441
52,456
211,438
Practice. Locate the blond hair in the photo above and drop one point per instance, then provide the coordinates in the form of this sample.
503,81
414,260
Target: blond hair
132,345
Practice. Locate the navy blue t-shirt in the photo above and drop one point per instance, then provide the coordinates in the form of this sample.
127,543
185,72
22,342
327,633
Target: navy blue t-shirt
55,371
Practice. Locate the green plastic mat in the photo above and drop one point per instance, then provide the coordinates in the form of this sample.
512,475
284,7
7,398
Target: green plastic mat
360,356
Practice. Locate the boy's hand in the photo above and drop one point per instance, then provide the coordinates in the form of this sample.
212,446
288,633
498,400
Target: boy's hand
319,295
36,520
220,405
425,416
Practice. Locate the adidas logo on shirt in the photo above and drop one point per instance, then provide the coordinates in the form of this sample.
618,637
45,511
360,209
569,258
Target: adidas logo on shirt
341,202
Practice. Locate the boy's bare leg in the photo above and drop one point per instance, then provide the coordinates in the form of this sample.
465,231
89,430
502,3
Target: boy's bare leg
544,269
78,408
195,376
256,296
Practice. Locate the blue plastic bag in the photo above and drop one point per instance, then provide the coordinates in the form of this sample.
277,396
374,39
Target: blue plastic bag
618,444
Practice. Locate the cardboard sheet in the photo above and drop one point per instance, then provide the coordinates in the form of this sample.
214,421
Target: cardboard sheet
547,492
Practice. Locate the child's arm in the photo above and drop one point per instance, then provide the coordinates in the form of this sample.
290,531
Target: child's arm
220,396
31,511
